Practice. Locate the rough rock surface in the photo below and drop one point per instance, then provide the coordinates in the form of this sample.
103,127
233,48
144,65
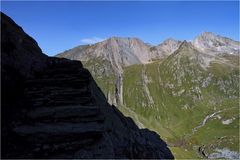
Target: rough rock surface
52,108
128,51
208,42
119,52
164,49
122,52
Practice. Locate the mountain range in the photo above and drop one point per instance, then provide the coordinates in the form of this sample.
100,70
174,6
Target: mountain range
186,90
128,51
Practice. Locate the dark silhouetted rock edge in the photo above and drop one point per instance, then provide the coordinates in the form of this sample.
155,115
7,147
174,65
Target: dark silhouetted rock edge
53,108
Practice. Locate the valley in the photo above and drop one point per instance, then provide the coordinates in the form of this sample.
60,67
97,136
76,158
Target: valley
190,96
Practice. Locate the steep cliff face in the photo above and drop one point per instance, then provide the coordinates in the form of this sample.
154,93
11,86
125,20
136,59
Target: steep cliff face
52,108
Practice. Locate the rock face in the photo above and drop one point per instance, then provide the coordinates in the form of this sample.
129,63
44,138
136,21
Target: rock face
118,51
128,51
208,42
164,49
14,41
52,108
122,52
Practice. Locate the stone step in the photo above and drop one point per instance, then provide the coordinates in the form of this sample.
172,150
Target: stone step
67,71
57,94
59,98
97,118
39,89
60,132
60,101
56,82
52,90
62,62
68,75
60,129
51,148
64,112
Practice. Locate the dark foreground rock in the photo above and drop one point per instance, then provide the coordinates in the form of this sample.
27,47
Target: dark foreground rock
52,108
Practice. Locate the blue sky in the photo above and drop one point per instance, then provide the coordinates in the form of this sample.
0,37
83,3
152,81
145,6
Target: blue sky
58,26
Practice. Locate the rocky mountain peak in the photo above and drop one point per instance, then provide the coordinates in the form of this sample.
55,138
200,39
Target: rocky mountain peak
209,37
164,49
170,41
123,40
186,46
121,51
208,34
212,43
170,44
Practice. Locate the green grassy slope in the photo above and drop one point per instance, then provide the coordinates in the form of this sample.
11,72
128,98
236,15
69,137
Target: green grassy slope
104,75
173,96
184,93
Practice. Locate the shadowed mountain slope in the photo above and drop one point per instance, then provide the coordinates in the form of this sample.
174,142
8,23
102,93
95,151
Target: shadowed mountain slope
52,108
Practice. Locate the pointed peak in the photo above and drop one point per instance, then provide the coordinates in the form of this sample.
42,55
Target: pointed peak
186,44
115,39
170,40
123,38
208,35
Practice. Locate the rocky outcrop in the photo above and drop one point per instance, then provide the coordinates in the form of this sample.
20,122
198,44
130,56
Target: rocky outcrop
118,51
52,108
19,51
164,49
211,43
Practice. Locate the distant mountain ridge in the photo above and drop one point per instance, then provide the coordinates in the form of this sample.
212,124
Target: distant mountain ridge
128,51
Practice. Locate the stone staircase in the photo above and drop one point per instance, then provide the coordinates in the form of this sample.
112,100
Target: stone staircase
63,114
53,109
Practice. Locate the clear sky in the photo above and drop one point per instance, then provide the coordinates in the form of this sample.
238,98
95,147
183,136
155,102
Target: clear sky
58,26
